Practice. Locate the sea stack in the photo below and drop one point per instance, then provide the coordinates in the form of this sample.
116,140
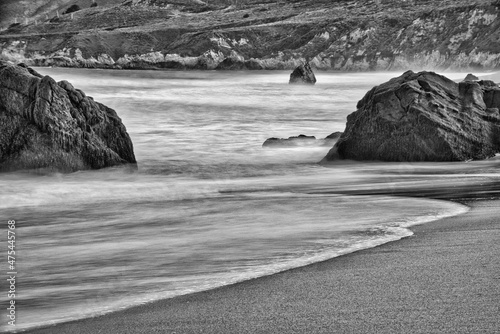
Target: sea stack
50,125
423,117
302,74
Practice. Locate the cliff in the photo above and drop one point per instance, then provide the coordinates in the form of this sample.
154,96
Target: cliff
332,35
50,125
423,117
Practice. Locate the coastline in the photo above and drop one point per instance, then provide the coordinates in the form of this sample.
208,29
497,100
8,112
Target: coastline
444,278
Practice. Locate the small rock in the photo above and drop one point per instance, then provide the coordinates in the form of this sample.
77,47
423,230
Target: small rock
471,77
302,140
302,74
299,140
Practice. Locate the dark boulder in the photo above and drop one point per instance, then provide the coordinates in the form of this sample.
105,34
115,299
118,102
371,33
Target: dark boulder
423,117
72,9
49,125
302,74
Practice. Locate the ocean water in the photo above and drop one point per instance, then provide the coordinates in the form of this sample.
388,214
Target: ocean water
208,205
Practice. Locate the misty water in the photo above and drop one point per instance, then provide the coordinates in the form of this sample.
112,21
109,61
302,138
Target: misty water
208,205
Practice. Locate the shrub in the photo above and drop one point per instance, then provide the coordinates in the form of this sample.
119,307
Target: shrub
72,9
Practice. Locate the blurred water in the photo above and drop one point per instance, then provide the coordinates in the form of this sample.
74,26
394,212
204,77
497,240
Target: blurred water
209,206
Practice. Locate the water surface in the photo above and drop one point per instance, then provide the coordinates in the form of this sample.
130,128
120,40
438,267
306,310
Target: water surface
208,206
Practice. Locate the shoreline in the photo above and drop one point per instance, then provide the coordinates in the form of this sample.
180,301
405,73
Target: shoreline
345,293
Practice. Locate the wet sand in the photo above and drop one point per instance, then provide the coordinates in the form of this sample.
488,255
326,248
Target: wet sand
443,279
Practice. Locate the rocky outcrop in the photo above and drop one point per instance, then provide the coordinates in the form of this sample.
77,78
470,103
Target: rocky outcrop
302,140
302,74
423,117
51,125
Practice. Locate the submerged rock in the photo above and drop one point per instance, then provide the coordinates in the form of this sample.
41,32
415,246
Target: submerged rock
44,124
290,141
301,140
302,74
423,117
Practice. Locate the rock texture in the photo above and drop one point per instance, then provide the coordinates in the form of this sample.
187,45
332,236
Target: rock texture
50,125
303,74
348,35
423,117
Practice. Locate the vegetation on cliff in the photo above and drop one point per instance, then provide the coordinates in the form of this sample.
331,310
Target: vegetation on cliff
256,34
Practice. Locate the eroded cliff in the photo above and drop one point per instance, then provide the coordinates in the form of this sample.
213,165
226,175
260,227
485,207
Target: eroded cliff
341,35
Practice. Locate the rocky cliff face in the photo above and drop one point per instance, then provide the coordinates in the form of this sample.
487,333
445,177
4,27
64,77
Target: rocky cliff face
341,35
44,124
423,117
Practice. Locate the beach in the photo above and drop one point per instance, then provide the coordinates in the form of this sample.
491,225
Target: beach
221,235
161,175
443,279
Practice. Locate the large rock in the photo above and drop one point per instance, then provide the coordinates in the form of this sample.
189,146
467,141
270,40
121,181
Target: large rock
302,74
423,117
44,124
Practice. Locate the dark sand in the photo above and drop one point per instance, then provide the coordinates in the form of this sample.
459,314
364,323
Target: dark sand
444,279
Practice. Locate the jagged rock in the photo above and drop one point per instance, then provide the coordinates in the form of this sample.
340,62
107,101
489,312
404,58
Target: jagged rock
423,117
471,77
44,124
302,74
301,140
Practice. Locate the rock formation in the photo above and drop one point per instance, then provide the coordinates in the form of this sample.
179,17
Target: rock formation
302,140
299,140
302,74
49,125
423,117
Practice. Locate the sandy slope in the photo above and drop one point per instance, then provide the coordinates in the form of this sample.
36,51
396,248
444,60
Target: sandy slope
444,279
